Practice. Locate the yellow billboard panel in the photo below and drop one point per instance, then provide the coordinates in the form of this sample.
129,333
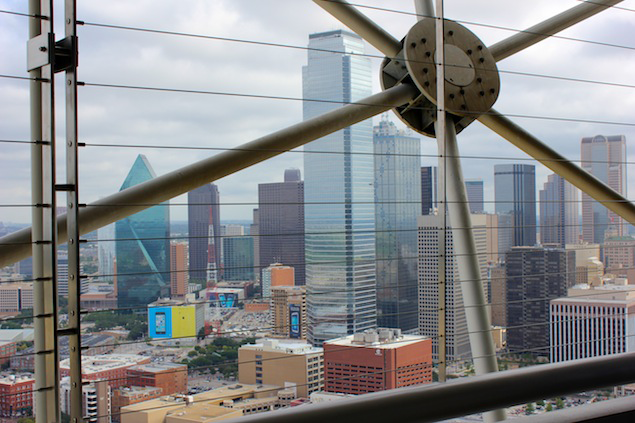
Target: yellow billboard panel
183,321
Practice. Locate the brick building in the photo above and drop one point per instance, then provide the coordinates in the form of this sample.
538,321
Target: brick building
16,396
170,377
112,367
376,360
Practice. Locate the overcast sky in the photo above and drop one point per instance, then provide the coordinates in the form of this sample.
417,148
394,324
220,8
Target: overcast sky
133,117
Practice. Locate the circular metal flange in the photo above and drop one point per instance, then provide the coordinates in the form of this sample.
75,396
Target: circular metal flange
471,76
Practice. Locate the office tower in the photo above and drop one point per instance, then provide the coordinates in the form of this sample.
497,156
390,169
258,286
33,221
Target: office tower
604,157
288,311
558,212
62,273
178,268
515,193
232,229
338,192
203,218
254,231
106,252
429,187
456,335
474,188
276,274
619,255
281,216
238,256
282,363
376,360
143,247
535,275
592,322
498,293
397,199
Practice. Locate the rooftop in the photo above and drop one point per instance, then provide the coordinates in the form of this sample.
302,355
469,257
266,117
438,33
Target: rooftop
100,363
283,345
378,338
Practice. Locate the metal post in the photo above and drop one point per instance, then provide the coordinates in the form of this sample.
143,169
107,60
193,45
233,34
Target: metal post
43,218
72,188
424,9
441,192
476,312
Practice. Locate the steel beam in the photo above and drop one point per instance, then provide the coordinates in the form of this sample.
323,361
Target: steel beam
474,302
574,174
424,9
461,397
362,26
17,246
551,26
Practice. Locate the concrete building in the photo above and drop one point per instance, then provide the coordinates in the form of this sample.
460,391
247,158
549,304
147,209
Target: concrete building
338,192
282,363
603,157
559,212
586,262
498,293
397,198
376,360
534,276
17,396
619,255
430,229
96,397
15,297
204,234
276,274
288,312
593,321
111,367
515,194
281,223
129,395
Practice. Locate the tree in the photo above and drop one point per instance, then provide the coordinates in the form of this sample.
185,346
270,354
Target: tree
559,403
26,420
549,407
529,408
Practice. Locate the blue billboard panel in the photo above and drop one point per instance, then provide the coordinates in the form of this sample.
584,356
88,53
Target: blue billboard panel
295,321
222,299
160,322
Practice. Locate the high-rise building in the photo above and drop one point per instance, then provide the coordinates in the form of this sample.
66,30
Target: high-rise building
106,252
474,188
338,192
143,247
282,363
254,231
376,360
288,311
603,157
397,199
238,258
456,335
515,193
592,322
178,268
429,187
96,400
558,212
276,274
498,293
203,214
281,223
534,276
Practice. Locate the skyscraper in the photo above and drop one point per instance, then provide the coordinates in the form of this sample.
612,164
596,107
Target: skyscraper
203,215
603,157
238,257
474,189
558,212
429,188
397,199
338,193
106,252
456,335
281,223
178,267
143,247
515,192
535,275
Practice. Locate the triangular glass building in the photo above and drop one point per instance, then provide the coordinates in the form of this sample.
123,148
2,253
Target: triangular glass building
143,247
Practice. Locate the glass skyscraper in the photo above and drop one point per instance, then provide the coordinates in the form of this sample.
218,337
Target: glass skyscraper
558,212
142,247
397,199
515,193
203,218
339,194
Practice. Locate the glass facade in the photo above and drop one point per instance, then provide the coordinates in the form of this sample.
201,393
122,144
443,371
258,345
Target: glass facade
515,193
238,256
203,218
397,199
142,247
339,194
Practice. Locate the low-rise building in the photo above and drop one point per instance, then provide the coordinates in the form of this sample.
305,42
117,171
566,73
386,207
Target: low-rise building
96,400
170,377
16,396
282,362
111,367
129,395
